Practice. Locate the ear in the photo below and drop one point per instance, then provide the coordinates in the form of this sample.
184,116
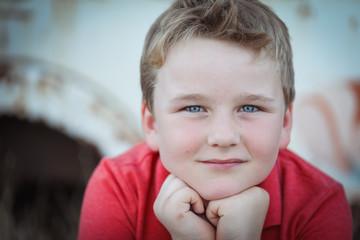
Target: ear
286,130
149,128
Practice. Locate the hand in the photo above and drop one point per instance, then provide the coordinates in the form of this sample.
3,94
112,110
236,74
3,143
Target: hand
240,216
178,208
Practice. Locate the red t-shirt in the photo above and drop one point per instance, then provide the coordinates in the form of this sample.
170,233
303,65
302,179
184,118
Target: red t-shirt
118,203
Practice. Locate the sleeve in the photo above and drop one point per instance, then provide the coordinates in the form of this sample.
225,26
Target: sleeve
331,218
109,205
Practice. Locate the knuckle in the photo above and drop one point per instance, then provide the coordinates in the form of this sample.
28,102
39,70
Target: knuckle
262,196
260,191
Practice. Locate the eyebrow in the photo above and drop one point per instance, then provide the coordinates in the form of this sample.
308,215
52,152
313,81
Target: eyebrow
254,97
243,96
189,97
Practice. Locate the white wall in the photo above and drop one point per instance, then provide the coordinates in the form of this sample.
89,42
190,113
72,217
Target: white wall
103,40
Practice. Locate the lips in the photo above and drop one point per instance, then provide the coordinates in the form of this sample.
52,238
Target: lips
225,164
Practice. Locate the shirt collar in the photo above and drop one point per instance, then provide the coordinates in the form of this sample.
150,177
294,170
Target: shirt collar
272,185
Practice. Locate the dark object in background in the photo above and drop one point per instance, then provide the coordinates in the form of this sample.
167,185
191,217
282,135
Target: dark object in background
43,174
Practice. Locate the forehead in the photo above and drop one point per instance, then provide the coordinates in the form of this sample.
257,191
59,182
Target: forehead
208,52
203,60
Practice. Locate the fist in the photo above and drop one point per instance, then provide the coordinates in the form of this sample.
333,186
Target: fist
240,216
179,208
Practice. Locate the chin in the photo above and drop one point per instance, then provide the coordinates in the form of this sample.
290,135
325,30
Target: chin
216,193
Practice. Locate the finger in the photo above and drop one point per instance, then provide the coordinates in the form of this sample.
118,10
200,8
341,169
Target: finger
170,185
256,196
213,213
196,202
241,203
183,199
177,198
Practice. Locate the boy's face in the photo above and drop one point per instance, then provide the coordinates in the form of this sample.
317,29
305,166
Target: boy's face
218,118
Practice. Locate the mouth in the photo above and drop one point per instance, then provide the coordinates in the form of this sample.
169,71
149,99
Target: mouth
225,164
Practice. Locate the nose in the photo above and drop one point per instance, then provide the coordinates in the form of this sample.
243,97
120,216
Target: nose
224,132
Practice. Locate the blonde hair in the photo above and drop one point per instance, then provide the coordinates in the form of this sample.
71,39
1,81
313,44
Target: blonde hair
247,22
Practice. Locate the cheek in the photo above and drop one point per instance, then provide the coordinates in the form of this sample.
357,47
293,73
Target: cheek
178,141
181,135
264,139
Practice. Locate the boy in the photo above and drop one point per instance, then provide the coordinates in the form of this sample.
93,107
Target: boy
217,81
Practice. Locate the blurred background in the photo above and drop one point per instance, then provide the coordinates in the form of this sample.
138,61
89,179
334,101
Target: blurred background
70,94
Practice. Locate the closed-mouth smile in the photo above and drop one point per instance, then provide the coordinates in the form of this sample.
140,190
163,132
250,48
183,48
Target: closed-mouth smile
223,164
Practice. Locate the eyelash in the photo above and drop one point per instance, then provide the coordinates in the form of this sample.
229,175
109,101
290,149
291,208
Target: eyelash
191,109
254,108
196,108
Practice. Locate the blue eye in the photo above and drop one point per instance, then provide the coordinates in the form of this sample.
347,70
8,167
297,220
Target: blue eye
249,108
194,109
